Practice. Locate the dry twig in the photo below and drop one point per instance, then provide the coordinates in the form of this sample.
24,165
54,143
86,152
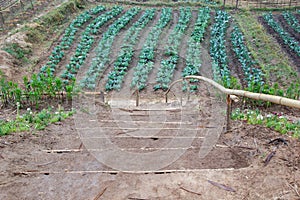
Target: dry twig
295,189
181,187
270,156
100,194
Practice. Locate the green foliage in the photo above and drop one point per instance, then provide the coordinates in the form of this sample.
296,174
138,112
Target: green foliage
68,38
193,61
265,52
104,48
146,57
115,77
86,42
288,40
252,74
168,65
275,121
33,120
34,90
291,19
16,51
218,49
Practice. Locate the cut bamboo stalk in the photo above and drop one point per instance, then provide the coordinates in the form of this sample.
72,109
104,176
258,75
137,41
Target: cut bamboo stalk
66,171
257,96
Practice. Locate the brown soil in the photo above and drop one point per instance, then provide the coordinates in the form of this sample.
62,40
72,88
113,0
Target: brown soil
53,164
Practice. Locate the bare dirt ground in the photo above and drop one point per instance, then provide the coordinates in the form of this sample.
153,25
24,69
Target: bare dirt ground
53,164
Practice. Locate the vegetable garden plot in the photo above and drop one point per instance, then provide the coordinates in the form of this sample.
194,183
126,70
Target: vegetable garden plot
193,61
288,40
218,50
87,39
148,55
68,38
291,19
104,48
115,77
252,74
289,44
168,65
146,58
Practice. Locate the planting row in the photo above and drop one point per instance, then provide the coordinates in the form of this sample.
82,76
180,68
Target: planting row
104,48
168,65
86,42
116,76
146,57
252,74
68,38
291,19
193,61
287,39
218,50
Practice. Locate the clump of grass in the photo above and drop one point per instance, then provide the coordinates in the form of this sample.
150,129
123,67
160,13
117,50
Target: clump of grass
17,51
50,22
32,121
275,121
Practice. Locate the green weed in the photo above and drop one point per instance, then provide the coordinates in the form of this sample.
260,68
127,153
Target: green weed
31,121
275,121
16,51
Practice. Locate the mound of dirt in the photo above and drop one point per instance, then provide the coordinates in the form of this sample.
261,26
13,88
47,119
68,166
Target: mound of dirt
7,64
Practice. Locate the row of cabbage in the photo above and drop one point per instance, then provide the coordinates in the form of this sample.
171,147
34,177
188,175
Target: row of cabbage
285,36
86,42
253,75
168,65
104,48
147,55
218,49
121,65
193,60
291,19
68,38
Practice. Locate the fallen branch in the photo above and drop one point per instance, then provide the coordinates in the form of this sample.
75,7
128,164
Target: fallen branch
181,187
278,141
295,189
100,194
270,156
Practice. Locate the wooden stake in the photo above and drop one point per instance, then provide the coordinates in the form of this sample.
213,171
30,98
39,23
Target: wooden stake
228,113
2,18
137,97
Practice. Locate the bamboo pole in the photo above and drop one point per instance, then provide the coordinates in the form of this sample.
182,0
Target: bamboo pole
257,96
